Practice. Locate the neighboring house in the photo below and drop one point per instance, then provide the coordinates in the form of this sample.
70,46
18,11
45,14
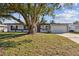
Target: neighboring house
76,25
71,27
53,28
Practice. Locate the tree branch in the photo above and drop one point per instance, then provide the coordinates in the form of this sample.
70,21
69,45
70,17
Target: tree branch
8,16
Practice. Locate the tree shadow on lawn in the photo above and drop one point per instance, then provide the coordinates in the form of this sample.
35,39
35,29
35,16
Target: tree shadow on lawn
6,44
13,43
3,36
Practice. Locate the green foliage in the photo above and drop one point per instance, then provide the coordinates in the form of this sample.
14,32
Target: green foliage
10,35
31,12
8,44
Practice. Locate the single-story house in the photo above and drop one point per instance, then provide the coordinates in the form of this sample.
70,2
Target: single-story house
76,27
53,28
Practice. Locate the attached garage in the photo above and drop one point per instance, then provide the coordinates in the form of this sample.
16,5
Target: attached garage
59,28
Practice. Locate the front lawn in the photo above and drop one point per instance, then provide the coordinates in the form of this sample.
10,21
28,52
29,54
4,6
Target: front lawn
37,44
4,35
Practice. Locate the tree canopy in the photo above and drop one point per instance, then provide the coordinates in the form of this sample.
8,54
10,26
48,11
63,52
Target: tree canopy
31,12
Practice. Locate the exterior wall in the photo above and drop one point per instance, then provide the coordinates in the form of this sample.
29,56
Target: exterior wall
59,28
3,28
20,28
53,28
44,28
76,27
71,27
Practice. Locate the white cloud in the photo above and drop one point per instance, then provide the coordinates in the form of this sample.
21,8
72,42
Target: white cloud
67,15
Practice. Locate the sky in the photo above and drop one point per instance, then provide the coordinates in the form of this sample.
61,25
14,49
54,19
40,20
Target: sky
65,15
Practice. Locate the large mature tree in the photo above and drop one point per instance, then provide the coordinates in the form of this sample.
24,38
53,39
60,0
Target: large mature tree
30,12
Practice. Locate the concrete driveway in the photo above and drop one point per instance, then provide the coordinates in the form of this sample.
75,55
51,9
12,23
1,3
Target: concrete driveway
71,36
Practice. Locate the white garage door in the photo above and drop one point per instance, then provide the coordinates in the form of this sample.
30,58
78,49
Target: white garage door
58,28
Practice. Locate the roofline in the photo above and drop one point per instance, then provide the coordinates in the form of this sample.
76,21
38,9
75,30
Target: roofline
12,23
40,24
59,24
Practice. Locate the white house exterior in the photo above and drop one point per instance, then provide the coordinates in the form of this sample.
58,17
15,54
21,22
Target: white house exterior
76,28
71,27
3,28
76,25
59,28
53,28
16,27
45,28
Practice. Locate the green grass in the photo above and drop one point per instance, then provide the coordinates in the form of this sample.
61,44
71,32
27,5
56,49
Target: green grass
37,44
10,34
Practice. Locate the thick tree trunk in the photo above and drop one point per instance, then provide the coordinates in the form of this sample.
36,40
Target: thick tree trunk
38,28
32,29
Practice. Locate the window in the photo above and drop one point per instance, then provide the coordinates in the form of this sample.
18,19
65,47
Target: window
25,27
14,27
46,27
